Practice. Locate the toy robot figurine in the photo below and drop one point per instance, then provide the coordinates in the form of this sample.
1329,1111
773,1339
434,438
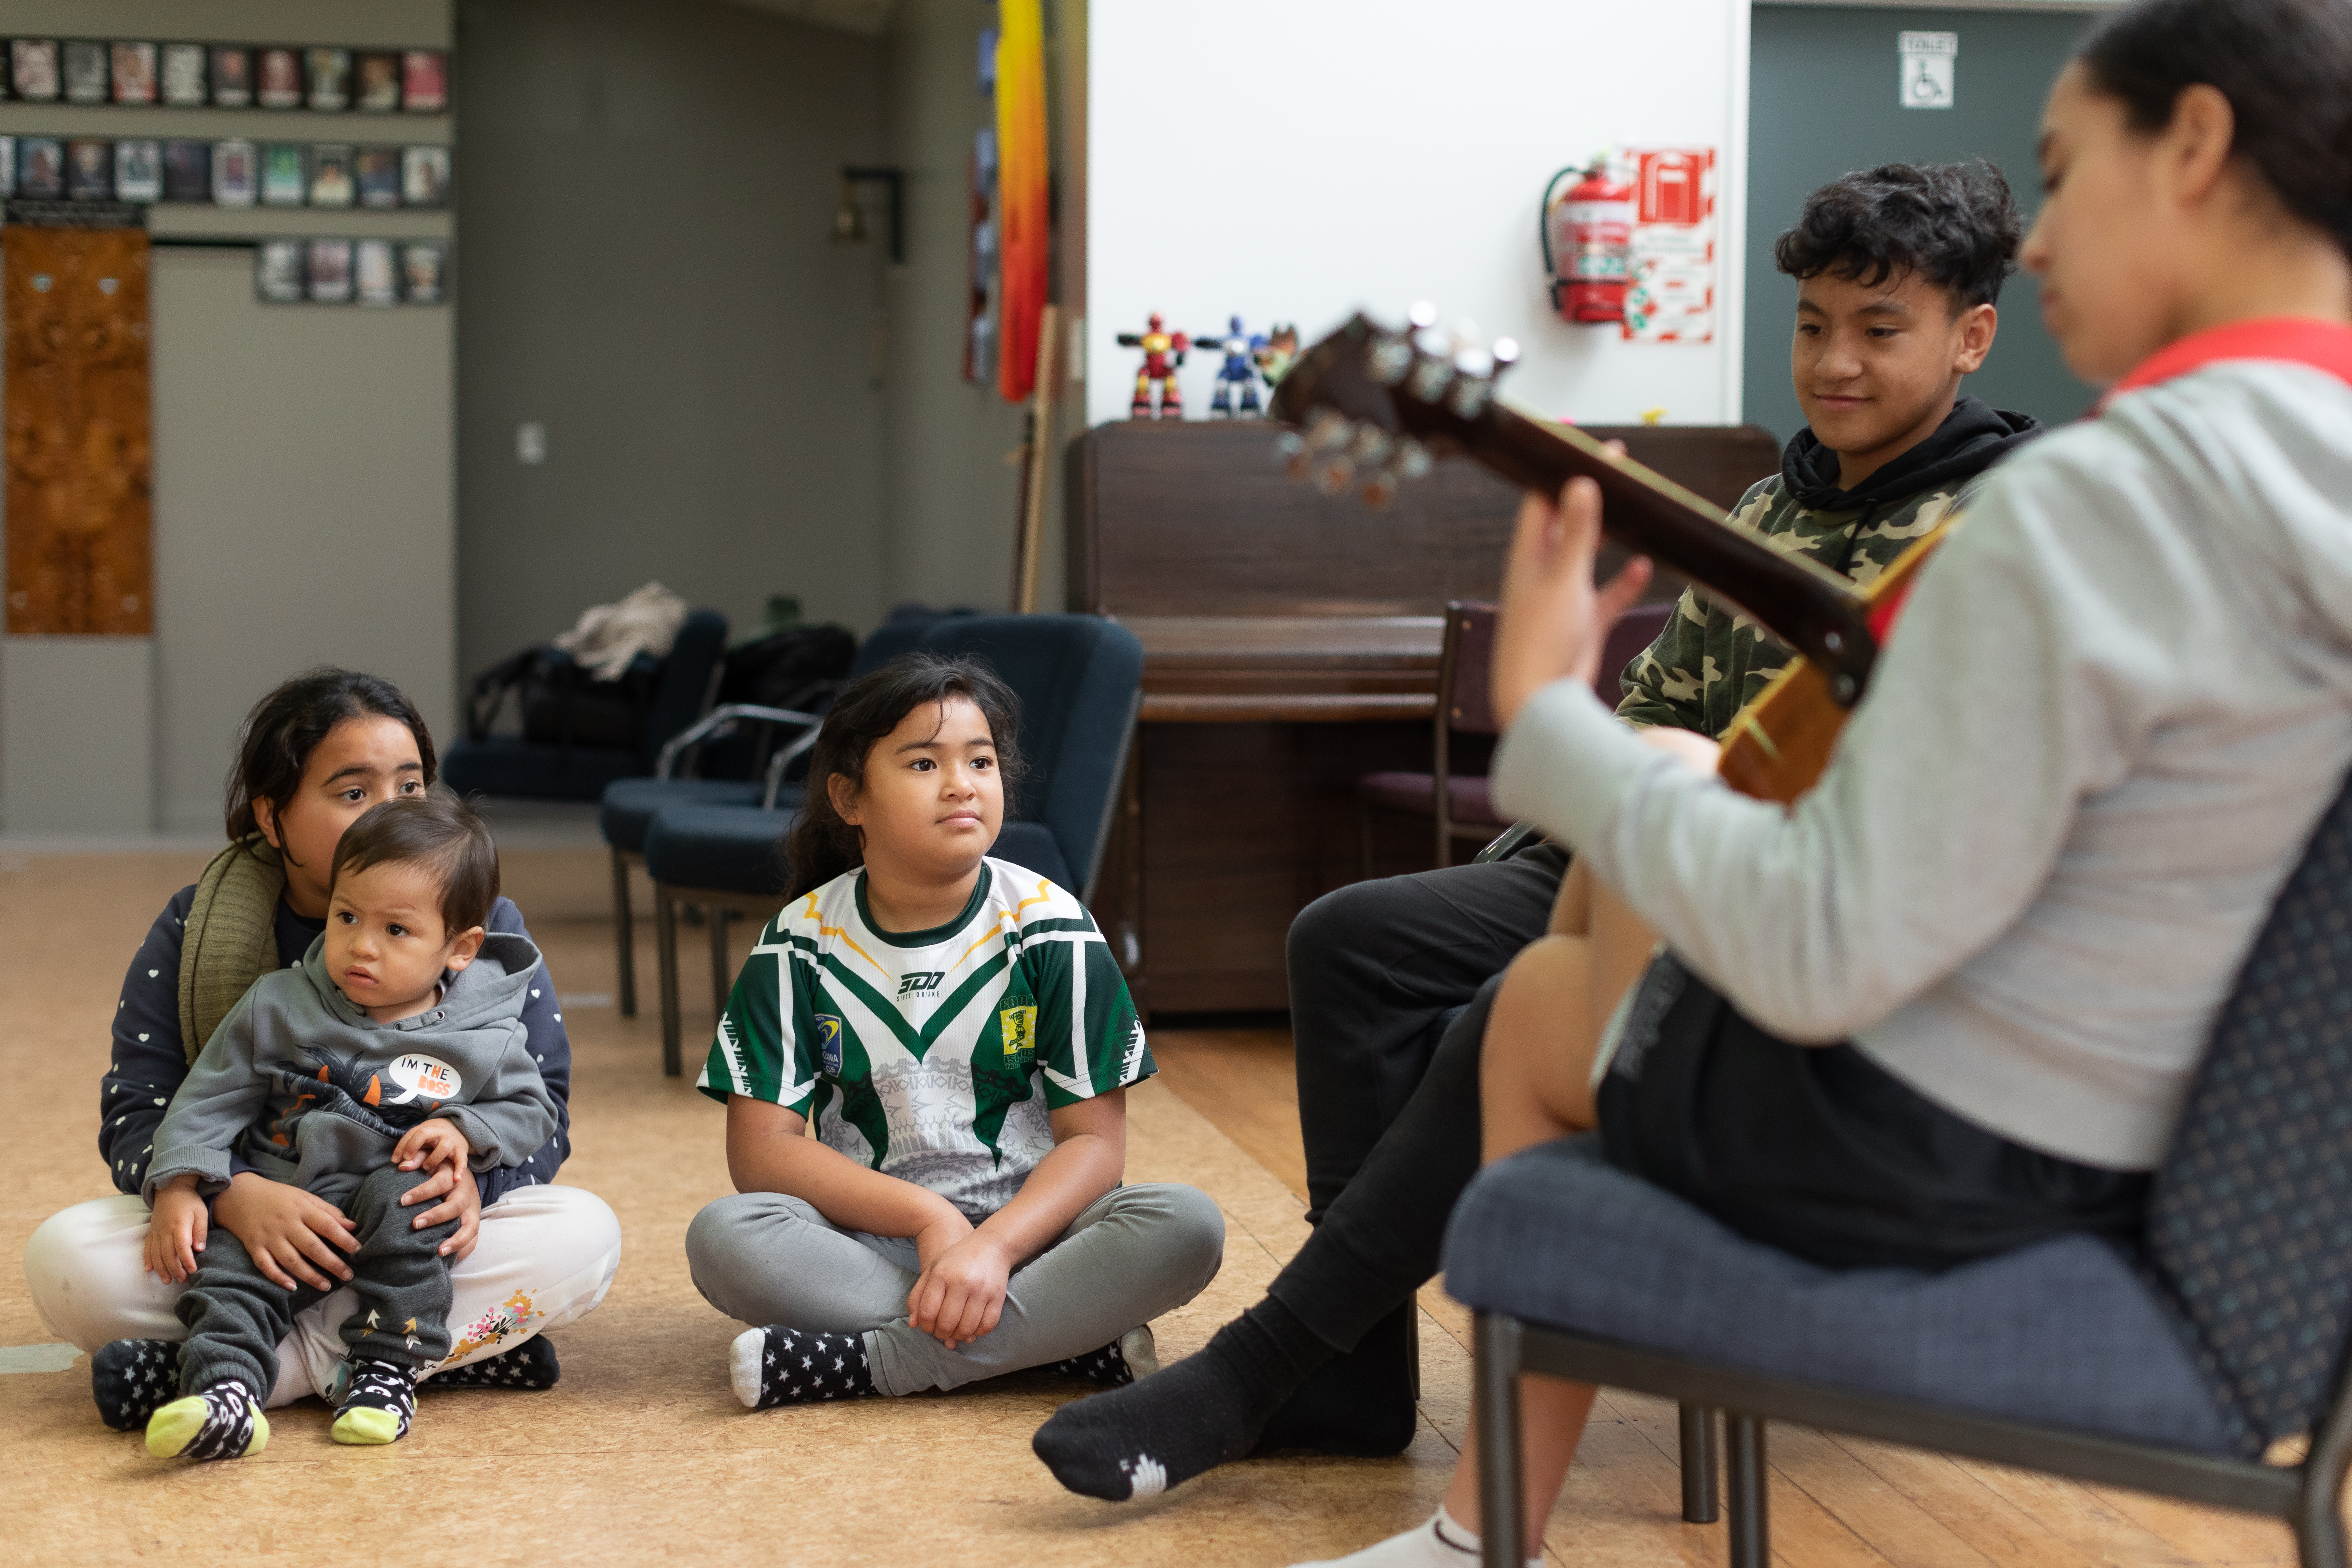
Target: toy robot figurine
1237,377
1163,350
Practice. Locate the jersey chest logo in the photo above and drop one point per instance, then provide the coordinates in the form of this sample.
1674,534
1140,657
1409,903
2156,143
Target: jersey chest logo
1019,1026
920,982
828,1044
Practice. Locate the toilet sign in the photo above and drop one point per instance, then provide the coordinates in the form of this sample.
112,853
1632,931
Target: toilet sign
1927,59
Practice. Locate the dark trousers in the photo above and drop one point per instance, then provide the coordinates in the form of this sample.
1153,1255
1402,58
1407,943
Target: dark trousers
1391,982
236,1316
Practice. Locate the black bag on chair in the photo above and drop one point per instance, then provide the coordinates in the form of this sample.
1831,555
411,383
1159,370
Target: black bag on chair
563,705
795,668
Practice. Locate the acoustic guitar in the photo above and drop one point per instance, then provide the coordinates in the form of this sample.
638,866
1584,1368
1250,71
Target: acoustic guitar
1373,409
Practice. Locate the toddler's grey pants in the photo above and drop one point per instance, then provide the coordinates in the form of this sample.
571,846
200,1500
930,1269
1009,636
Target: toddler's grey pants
1134,1253
235,1316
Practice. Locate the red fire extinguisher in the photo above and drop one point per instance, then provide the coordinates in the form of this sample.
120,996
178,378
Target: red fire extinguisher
1587,234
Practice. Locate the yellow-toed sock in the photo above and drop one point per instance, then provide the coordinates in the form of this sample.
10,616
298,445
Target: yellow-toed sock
367,1423
224,1422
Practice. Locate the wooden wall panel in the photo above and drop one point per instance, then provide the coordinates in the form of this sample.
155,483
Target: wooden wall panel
80,549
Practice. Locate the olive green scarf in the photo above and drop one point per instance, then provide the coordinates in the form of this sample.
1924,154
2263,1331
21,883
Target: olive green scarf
231,939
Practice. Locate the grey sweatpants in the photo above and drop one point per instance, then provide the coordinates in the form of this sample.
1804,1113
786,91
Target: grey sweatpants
1133,1253
235,1316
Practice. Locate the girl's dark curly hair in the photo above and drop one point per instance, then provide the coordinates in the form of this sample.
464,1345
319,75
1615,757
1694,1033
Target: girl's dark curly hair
820,846
1954,224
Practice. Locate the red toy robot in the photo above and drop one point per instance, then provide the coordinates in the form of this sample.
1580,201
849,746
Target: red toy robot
1163,350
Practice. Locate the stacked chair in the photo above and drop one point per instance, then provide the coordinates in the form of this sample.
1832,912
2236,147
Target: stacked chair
1079,678
2170,1363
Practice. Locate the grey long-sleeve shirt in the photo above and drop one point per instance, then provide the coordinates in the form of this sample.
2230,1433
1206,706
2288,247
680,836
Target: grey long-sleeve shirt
308,1089
2115,705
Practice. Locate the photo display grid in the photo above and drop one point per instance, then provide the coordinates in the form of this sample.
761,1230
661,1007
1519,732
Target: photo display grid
231,173
327,79
339,271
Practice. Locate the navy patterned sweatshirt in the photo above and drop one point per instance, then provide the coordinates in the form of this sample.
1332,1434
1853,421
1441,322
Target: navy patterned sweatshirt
149,1063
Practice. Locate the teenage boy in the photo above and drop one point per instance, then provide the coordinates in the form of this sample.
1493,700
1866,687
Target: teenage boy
1899,270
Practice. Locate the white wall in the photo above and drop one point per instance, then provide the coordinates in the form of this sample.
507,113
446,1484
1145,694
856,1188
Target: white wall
1305,159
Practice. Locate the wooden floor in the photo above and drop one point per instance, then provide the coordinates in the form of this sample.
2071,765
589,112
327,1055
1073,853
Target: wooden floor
642,1455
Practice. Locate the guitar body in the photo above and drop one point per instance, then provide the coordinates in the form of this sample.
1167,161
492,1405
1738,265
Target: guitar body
1778,745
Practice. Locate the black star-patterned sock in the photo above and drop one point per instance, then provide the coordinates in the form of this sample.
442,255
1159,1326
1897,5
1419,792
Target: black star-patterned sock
777,1365
529,1365
1117,1364
132,1379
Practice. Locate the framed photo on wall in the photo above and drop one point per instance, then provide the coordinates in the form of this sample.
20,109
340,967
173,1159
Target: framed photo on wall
138,170
85,71
90,170
424,271
232,75
40,168
425,81
33,69
331,271
330,174
134,73
377,171
374,275
331,78
236,172
277,273
378,91
187,170
279,74
284,181
424,176
182,74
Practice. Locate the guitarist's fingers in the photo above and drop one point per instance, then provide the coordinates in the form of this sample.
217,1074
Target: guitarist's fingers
1623,591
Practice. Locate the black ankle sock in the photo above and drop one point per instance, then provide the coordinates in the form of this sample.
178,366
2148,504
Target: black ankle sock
800,1366
1207,1409
529,1365
1360,1403
132,1379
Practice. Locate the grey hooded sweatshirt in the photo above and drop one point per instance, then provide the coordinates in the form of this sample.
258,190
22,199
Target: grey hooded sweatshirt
2114,707
313,1092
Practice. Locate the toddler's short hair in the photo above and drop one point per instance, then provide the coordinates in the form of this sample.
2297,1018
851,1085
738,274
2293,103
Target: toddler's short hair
1955,224
438,830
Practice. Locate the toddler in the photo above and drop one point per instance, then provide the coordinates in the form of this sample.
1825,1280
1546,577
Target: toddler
395,1047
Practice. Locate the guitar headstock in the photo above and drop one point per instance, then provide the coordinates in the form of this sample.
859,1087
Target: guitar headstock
1375,408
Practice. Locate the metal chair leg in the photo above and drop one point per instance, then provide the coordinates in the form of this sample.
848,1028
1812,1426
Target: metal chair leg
666,962
1750,1532
722,978
625,937
1494,1415
1700,1457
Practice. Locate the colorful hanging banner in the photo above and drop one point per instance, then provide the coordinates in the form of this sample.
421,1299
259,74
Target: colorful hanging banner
1024,223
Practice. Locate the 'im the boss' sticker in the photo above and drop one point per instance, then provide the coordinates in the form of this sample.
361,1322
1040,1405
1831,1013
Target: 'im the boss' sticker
423,1078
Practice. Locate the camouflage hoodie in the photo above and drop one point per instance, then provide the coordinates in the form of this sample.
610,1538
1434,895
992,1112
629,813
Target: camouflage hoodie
1712,659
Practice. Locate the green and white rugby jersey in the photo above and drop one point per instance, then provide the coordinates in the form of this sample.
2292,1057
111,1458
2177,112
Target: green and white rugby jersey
932,1056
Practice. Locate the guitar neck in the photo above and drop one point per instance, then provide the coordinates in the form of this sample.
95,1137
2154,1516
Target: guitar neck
1814,610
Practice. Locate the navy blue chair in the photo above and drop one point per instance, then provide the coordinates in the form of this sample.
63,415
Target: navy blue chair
512,766
1080,681
2168,1364
629,805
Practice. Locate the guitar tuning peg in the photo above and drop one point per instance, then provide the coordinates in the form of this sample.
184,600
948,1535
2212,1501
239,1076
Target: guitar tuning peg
1289,451
1411,460
1370,446
1333,473
1328,429
1470,396
1388,360
1506,353
1423,314
1380,489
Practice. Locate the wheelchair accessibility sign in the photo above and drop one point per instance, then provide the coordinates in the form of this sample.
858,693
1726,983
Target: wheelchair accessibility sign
1928,59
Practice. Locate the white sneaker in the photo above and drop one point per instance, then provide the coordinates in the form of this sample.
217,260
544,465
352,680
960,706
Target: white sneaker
1440,1542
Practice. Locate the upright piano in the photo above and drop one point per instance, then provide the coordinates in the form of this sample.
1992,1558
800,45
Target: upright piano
1291,645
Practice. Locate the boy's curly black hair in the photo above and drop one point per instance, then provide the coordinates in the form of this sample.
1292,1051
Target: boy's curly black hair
1953,225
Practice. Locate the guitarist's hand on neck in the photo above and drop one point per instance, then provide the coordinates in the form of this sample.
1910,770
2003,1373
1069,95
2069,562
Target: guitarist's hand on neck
1554,621
1878,366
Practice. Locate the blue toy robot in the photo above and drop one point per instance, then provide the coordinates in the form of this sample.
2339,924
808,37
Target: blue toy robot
1237,378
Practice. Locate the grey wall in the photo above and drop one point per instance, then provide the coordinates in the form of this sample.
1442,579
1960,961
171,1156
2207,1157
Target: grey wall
647,201
1822,101
950,498
304,504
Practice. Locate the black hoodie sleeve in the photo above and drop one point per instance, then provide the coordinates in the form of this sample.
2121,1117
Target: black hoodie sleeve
550,1049
147,1064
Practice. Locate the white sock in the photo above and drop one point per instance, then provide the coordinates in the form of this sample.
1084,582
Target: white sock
1439,1541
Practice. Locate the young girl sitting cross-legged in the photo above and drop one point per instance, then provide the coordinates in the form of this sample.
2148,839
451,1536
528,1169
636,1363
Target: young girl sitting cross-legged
957,1029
